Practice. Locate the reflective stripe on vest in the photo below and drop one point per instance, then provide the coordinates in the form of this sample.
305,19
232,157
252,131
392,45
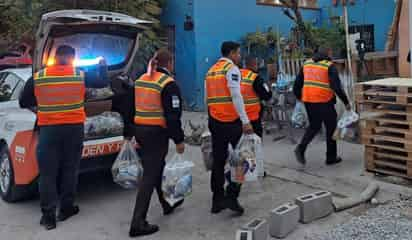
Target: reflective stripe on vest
60,93
316,87
251,99
148,99
219,99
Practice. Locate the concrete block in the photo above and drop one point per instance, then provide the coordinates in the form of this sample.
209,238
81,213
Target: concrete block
283,220
259,228
315,206
244,235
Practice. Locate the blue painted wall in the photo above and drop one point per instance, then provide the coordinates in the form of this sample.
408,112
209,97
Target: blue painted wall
377,12
219,20
185,69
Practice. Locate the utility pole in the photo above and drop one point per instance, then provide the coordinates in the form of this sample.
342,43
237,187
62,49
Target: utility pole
348,50
410,31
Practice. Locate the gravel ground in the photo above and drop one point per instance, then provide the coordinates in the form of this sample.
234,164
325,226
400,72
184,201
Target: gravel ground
392,221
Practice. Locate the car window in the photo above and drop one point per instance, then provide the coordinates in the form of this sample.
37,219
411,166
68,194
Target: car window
8,83
17,90
4,88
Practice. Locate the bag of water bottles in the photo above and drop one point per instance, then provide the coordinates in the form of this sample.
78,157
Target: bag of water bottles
347,128
177,179
127,170
244,162
299,116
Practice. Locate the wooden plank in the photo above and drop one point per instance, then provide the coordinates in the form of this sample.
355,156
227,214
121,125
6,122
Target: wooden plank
374,92
390,173
390,82
361,101
392,156
400,140
388,147
391,165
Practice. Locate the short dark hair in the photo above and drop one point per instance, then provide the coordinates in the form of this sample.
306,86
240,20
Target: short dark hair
65,50
228,47
163,57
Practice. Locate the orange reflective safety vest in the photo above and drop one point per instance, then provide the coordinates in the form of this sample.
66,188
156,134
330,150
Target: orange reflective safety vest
251,99
219,99
316,86
148,99
60,92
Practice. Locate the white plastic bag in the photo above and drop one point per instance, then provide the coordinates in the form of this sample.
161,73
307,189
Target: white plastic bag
243,164
177,179
347,128
299,116
127,170
207,150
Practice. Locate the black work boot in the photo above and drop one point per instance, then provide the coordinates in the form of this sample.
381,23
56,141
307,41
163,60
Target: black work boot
142,229
234,205
67,212
48,221
167,209
333,161
232,194
218,204
300,155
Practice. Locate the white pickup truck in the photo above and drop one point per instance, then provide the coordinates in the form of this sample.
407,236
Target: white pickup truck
94,35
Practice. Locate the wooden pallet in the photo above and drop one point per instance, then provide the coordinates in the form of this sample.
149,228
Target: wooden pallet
389,162
385,91
382,109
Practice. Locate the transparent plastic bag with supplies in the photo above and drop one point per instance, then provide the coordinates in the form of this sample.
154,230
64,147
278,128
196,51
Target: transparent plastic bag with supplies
299,116
348,127
244,161
127,170
177,179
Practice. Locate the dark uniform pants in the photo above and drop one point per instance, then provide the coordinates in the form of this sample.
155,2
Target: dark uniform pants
154,144
223,134
59,152
319,113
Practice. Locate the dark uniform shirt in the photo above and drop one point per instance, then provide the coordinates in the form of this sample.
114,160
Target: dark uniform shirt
262,89
172,107
335,84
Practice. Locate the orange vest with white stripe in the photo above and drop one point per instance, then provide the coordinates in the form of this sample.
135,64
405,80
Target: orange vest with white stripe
219,99
148,99
316,86
251,99
60,92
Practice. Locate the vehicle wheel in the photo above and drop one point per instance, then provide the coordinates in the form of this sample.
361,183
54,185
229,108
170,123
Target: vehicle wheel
9,191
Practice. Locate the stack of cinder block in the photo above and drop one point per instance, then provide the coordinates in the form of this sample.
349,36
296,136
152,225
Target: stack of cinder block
285,218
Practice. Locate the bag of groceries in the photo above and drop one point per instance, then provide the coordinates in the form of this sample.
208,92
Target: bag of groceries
127,169
244,161
177,179
104,125
299,116
348,127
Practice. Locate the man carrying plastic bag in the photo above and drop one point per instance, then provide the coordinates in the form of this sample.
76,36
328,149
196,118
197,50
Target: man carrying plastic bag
127,170
158,110
177,179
